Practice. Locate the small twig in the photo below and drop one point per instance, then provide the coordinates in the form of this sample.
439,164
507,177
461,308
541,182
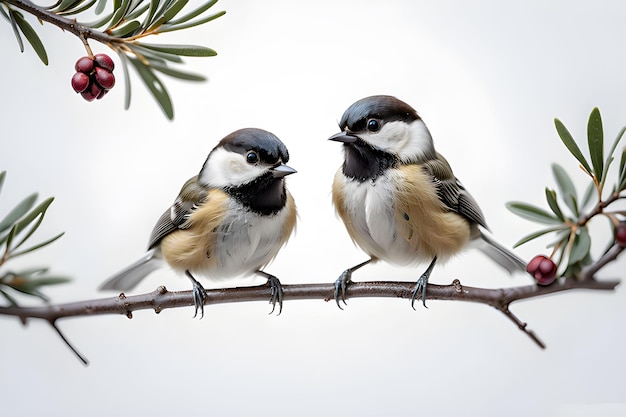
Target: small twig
68,344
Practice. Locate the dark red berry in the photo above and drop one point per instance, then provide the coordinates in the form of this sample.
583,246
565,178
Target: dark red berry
620,234
102,94
105,78
543,269
95,89
87,95
104,61
80,82
84,64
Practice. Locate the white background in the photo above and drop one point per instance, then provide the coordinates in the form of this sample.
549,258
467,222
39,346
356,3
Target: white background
488,77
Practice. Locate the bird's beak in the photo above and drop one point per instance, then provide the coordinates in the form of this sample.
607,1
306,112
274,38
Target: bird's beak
282,170
343,137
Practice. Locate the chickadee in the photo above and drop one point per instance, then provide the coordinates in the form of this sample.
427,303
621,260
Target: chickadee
398,197
230,219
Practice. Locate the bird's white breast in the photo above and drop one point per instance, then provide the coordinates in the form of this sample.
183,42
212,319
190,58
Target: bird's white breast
247,241
370,206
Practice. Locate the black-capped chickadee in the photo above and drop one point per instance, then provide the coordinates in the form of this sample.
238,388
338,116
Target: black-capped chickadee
399,198
230,219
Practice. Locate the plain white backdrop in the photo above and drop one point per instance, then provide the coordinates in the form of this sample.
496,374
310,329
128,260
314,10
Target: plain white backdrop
488,77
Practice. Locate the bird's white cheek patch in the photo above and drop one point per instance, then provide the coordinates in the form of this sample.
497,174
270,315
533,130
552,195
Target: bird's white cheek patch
226,169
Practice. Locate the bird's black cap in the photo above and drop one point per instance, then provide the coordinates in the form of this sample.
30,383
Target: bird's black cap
387,108
266,144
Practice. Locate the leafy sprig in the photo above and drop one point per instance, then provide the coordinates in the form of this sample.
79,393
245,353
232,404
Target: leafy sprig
123,29
16,228
566,219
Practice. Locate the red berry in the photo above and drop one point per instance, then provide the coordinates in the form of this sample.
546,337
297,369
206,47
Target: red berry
102,94
620,234
105,78
80,82
543,269
84,64
104,61
87,95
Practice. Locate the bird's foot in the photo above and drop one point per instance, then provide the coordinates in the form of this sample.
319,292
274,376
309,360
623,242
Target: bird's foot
420,290
276,292
199,295
340,287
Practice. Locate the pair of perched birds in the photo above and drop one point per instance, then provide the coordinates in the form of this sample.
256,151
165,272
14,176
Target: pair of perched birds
397,196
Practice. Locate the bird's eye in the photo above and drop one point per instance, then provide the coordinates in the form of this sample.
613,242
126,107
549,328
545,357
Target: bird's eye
252,157
373,125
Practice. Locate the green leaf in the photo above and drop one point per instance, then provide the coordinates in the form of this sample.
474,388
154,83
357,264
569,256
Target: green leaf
31,36
118,14
100,6
35,213
138,11
154,4
182,50
155,86
595,138
581,246
622,172
152,55
10,299
45,281
19,210
80,9
554,205
170,27
125,30
537,234
65,4
16,30
188,76
127,94
590,191
571,145
566,187
610,158
3,175
37,246
532,213
167,13
194,13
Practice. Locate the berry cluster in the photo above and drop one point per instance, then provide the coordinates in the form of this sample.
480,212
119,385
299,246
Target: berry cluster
543,269
94,76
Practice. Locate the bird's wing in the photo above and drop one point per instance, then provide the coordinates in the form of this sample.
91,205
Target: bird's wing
191,195
452,193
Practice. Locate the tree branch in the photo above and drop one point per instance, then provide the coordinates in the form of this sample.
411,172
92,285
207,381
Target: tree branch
162,299
69,25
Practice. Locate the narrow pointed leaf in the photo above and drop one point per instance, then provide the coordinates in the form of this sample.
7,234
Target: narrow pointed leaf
167,14
554,205
119,14
571,145
20,210
610,157
31,36
10,299
100,6
182,50
170,27
155,86
532,213
151,54
622,172
64,5
3,175
188,76
194,13
44,281
16,30
537,234
125,30
581,246
127,95
566,188
595,138
37,246
590,191
79,8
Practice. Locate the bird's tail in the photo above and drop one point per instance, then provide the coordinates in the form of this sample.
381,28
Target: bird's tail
499,254
130,276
